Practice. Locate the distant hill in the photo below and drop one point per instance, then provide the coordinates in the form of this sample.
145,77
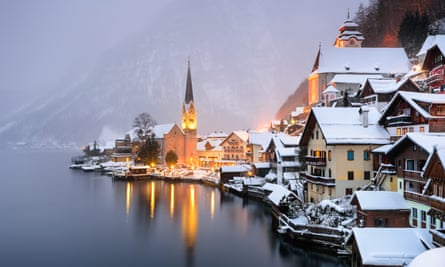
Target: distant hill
298,98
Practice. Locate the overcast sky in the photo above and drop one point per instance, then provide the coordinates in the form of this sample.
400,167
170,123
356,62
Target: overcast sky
44,42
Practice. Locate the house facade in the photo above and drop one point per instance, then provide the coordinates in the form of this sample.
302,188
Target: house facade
338,144
235,146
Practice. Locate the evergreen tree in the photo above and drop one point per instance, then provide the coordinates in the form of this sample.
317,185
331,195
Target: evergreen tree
171,158
149,151
413,31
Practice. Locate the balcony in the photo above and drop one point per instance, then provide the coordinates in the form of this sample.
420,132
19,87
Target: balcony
417,197
327,181
413,175
437,203
402,119
315,161
435,80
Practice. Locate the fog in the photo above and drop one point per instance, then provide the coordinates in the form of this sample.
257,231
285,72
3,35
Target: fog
48,44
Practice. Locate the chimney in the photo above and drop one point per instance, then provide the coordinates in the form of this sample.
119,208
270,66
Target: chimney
364,115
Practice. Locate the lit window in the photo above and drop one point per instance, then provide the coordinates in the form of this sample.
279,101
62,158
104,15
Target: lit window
329,155
404,131
422,129
399,132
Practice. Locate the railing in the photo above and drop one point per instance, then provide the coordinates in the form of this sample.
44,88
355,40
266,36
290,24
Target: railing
402,119
417,197
435,79
315,161
437,204
328,181
413,175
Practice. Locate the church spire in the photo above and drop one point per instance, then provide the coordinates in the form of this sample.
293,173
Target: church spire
189,87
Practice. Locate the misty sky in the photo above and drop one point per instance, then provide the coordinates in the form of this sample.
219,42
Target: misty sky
45,42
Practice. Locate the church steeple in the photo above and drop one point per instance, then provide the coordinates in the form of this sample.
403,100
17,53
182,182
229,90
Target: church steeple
349,35
188,108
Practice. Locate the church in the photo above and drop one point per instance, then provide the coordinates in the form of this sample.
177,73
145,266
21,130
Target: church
181,140
347,59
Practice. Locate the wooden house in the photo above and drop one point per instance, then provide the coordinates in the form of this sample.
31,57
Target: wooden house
380,209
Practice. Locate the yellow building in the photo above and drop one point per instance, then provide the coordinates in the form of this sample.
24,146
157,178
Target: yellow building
338,144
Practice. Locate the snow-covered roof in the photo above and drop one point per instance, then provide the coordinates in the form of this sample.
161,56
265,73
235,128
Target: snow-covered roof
412,98
260,138
262,165
330,89
214,143
297,111
217,134
432,257
285,145
236,168
160,129
277,192
431,41
381,200
384,86
243,135
343,125
427,141
382,149
391,246
438,150
354,78
362,60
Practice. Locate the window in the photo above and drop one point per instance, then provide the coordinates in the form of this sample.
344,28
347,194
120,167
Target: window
330,191
400,185
411,129
329,172
414,213
316,135
399,132
329,155
409,165
422,129
414,147
367,175
380,222
423,215
348,191
366,155
433,221
350,175
350,154
404,131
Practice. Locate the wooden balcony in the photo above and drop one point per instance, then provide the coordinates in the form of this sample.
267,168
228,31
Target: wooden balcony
417,197
414,175
402,119
315,161
327,181
438,204
435,80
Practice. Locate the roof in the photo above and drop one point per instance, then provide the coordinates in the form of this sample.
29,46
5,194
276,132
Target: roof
413,98
431,41
391,246
277,192
380,200
330,89
189,87
160,129
432,257
439,151
260,138
243,135
361,60
285,145
343,125
382,149
354,78
236,168
426,141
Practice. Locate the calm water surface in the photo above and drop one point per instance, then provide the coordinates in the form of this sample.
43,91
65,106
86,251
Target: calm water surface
53,216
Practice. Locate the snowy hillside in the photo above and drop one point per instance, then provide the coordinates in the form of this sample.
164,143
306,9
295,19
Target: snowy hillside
242,63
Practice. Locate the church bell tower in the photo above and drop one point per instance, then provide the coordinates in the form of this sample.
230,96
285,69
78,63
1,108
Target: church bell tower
189,123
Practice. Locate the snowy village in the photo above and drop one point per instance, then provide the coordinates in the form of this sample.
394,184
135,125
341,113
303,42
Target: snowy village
358,172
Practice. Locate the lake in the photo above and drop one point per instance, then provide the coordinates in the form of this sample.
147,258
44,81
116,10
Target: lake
53,216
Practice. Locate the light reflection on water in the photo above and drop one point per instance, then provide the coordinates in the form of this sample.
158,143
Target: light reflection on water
53,216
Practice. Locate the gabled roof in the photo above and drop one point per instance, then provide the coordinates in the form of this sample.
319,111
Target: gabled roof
285,145
439,152
242,135
431,41
426,141
343,125
413,99
380,200
361,60
354,78
160,129
260,138
391,246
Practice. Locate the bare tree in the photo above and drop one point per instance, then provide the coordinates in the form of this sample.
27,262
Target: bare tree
142,125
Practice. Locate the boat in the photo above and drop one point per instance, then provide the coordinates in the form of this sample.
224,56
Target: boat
133,173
